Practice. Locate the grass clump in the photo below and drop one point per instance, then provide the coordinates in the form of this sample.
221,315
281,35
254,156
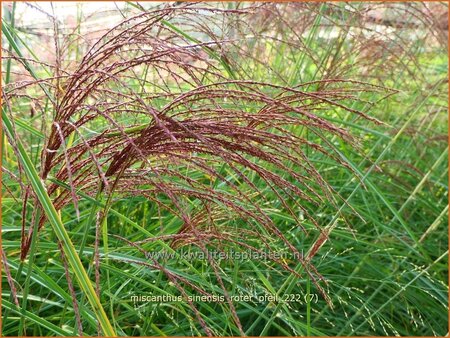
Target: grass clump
188,130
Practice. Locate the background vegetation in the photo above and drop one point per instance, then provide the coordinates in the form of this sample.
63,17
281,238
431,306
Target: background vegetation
315,131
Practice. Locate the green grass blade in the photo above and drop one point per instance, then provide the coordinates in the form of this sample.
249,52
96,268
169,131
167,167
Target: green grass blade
29,68
44,323
61,233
